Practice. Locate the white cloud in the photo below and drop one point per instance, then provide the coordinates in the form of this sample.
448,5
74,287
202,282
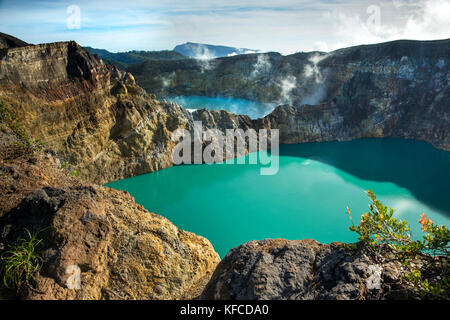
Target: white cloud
286,26
430,21
320,46
419,20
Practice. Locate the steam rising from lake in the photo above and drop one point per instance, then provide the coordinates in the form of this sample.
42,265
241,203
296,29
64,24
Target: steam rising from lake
253,109
307,88
312,72
203,57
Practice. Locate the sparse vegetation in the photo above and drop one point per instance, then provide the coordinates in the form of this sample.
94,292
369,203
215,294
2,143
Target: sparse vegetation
21,261
26,144
67,167
380,230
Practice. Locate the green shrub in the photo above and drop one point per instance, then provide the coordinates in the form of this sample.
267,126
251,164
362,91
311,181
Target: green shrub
21,261
380,230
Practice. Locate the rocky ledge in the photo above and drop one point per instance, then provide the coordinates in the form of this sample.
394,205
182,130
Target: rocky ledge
304,270
120,250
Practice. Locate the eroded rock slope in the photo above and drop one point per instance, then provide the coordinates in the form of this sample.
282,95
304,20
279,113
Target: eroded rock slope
120,250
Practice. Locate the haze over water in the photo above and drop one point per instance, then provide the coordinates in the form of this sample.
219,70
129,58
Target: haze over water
253,109
233,204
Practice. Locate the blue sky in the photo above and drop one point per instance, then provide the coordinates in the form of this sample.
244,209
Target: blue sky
285,26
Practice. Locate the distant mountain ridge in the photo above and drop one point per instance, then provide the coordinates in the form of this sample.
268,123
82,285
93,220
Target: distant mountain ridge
123,60
200,50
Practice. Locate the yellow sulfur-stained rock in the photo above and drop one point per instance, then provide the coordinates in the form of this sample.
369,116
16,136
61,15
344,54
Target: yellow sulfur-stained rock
121,250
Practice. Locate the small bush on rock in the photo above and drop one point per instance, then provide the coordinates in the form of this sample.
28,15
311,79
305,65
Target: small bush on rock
380,230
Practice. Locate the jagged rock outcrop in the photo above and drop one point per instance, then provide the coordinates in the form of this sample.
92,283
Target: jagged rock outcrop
304,270
122,250
90,113
93,115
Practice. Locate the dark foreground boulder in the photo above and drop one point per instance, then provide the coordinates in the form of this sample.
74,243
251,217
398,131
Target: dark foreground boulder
304,270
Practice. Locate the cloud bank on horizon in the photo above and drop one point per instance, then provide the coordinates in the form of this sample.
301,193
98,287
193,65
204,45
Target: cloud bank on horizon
286,26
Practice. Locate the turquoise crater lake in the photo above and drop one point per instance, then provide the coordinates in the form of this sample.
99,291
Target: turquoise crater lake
233,204
253,109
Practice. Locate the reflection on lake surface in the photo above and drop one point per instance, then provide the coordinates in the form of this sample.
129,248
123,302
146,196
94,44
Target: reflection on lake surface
233,204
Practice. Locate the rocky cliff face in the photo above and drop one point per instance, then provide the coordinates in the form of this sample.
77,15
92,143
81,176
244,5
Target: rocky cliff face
90,113
304,270
303,77
331,121
396,89
96,117
119,249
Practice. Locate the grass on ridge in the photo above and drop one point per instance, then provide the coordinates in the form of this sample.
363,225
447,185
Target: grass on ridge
21,260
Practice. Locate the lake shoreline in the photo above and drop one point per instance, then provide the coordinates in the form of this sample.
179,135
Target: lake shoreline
337,173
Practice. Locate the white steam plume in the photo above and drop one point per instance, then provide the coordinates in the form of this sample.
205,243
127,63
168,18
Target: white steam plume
287,85
312,72
203,57
167,80
261,66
